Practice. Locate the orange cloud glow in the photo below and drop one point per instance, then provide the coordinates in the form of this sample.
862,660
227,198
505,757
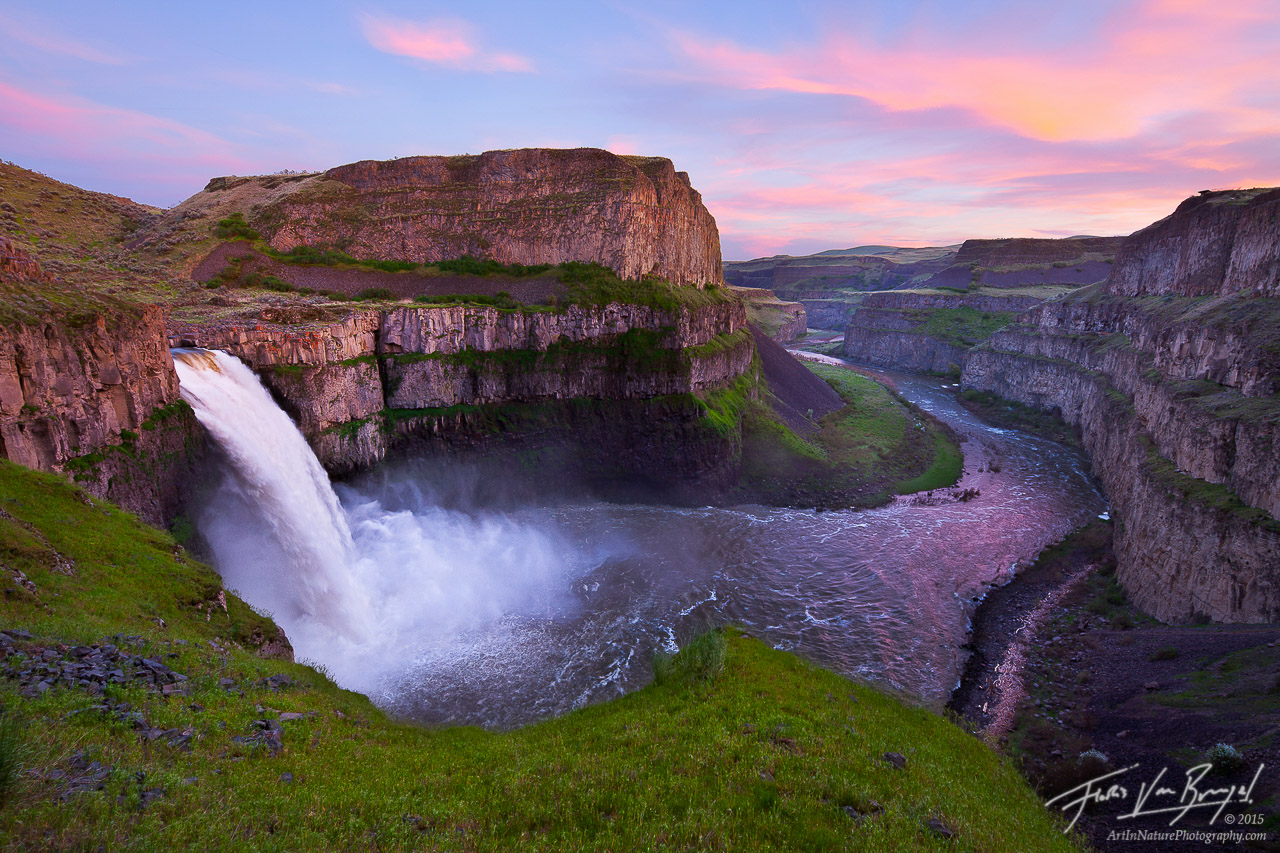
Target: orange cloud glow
1157,59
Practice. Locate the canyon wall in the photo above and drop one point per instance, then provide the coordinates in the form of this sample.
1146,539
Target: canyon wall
929,331
95,395
1171,372
781,320
411,375
636,215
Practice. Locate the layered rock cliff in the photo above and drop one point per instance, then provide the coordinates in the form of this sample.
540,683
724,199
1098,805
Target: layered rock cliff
1170,371
832,285
781,320
927,330
636,215
95,395
383,378
87,385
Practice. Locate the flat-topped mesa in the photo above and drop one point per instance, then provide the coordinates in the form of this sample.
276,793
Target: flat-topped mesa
1014,262
636,215
1214,243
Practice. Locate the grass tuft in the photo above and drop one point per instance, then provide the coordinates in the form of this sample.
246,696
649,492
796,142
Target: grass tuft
698,662
14,753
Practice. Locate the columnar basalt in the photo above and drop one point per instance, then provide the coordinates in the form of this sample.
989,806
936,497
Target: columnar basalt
96,395
352,386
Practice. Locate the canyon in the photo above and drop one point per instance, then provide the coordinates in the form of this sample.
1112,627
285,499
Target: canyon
929,324
1160,349
87,383
1169,370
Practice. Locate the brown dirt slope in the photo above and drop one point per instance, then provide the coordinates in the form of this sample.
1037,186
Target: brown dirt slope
1100,675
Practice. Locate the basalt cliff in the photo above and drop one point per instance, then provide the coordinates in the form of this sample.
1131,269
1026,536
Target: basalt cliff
932,324
1170,370
636,215
624,381
463,375
93,393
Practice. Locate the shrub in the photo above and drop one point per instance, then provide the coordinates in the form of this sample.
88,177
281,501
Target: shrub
1224,757
375,293
316,255
235,228
1166,653
391,266
467,265
270,282
699,661
502,299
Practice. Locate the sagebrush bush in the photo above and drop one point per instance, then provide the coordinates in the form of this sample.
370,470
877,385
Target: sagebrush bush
1224,757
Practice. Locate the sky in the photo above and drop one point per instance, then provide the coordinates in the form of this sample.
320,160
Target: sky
806,126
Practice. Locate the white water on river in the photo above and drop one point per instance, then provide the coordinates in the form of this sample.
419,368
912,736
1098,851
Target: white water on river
448,608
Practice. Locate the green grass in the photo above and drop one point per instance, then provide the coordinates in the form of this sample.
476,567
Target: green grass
875,447
1010,414
596,284
1216,495
743,748
502,299
963,326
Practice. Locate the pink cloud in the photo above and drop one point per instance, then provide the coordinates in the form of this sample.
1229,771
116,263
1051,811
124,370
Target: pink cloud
622,145
84,126
1148,62
443,41
163,159
50,42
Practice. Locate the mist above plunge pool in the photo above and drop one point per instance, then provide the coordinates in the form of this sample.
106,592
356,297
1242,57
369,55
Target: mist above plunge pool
409,585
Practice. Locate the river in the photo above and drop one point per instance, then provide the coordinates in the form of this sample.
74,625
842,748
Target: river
444,608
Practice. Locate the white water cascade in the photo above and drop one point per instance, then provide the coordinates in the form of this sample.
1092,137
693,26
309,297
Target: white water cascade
446,597
366,592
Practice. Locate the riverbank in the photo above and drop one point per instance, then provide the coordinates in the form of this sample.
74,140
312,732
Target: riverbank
1100,679
136,713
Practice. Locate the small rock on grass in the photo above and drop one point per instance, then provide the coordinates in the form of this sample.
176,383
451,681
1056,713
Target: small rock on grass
938,828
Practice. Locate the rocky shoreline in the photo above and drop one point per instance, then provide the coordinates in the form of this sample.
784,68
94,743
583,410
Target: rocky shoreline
1103,687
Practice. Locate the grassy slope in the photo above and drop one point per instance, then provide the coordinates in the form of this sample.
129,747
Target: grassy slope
766,755
873,448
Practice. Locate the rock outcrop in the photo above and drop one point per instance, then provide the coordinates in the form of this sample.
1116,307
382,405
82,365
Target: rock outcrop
781,320
1214,244
380,378
96,396
17,266
1029,262
1170,371
636,215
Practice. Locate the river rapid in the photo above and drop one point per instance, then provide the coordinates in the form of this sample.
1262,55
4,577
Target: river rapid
444,606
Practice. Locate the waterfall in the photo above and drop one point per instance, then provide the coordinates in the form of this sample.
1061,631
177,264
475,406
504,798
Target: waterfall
363,590
301,572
